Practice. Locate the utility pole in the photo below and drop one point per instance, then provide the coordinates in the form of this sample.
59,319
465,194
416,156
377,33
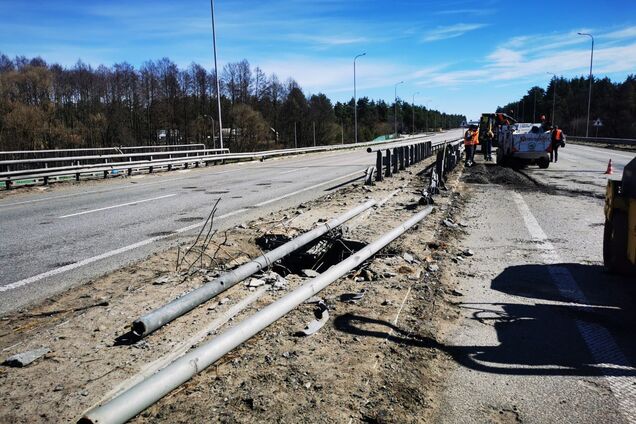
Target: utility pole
589,96
395,112
553,98
216,72
355,99
342,132
413,109
295,138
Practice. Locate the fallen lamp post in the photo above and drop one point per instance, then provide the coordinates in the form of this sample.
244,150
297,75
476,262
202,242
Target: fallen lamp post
141,396
169,312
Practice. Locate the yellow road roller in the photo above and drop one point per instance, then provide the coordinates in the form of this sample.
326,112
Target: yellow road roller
619,240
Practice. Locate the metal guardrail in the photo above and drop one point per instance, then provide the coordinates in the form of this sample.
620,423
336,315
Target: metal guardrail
99,164
605,140
61,153
394,158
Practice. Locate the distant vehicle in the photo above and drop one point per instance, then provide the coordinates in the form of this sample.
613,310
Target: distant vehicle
522,144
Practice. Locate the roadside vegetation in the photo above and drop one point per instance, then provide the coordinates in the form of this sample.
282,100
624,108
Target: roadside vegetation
613,103
47,106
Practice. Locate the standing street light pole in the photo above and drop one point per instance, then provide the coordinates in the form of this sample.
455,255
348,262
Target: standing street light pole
553,97
413,109
355,98
395,112
427,110
589,97
216,76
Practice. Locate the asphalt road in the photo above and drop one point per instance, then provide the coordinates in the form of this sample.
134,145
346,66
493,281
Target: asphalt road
545,334
51,241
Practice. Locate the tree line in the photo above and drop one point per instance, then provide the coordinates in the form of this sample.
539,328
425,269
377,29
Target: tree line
613,103
48,106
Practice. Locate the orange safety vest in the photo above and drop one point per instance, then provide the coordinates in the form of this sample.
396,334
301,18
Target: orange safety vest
557,135
471,138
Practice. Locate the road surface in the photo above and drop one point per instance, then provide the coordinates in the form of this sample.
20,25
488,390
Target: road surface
545,334
51,241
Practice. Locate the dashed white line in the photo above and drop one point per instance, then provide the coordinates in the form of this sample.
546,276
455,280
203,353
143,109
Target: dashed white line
108,254
598,339
136,202
290,171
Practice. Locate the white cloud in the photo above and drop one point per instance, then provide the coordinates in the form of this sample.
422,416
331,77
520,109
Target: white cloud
529,58
333,75
629,32
450,31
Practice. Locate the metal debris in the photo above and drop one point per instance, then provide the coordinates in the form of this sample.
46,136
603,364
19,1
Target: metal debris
310,273
322,316
25,358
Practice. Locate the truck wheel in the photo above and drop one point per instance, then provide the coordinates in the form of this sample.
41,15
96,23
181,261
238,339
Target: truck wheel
615,244
544,163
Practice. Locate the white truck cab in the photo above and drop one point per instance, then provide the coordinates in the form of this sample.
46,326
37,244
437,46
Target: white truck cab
524,144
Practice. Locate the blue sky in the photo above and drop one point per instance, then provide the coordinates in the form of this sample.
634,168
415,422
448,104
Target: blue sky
462,56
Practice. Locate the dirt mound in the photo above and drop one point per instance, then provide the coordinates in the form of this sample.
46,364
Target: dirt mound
492,174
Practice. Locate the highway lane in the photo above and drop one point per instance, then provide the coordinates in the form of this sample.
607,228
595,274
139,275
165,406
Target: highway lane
582,168
51,241
545,333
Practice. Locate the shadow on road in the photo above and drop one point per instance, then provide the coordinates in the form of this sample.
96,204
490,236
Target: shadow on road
543,338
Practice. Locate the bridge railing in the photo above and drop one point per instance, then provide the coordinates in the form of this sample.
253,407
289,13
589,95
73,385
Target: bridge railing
44,169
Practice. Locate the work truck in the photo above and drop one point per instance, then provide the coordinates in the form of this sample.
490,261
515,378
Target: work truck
523,144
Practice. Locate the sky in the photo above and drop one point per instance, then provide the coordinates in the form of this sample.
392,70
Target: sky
458,56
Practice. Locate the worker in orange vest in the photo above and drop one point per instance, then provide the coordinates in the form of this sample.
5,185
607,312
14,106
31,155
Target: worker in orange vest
558,140
471,140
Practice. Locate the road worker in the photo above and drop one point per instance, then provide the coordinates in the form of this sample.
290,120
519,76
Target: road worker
471,140
558,140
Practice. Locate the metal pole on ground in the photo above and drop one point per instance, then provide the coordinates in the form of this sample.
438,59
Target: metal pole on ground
139,397
169,312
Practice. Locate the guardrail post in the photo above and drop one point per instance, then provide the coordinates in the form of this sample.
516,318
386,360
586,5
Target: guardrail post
407,158
77,176
395,160
150,169
388,172
105,174
418,152
129,171
8,184
45,180
378,166
401,154
413,154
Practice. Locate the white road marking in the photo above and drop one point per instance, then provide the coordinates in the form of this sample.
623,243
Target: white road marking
293,193
108,254
106,190
598,339
290,171
117,206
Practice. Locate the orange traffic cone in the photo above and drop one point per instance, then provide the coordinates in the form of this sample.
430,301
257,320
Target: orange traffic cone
610,170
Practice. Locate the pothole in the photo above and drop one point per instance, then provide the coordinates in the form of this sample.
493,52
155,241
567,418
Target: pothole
190,219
